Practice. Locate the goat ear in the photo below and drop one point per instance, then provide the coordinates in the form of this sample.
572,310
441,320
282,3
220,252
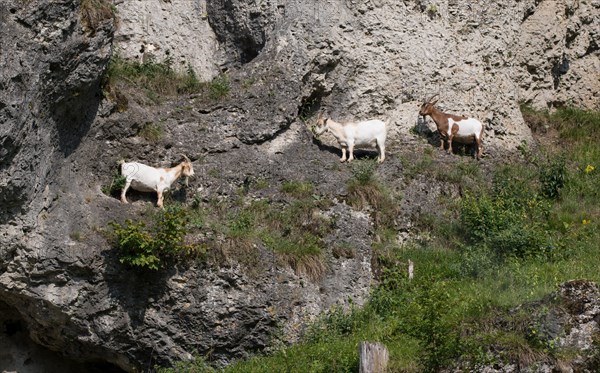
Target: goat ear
434,102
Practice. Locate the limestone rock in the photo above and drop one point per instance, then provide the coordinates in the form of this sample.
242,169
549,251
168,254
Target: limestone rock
285,60
177,31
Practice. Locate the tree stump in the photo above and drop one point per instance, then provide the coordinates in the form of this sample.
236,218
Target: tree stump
374,357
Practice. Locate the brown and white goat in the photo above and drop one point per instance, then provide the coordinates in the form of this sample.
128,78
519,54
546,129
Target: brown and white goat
150,179
454,127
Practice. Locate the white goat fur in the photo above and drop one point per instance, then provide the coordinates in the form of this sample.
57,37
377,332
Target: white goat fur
150,179
367,133
466,127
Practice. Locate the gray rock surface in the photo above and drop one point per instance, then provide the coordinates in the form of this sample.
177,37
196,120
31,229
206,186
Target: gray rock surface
176,30
284,60
567,319
557,54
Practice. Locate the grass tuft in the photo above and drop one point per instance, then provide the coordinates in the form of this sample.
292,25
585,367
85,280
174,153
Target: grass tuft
159,79
94,12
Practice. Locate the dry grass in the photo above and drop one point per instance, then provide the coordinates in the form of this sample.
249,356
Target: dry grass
313,266
94,13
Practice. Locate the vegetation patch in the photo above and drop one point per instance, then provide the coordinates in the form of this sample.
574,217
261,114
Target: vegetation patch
158,79
116,184
367,192
298,189
505,243
294,232
240,231
94,13
149,247
219,87
152,132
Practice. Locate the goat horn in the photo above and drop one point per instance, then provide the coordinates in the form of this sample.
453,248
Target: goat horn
432,97
186,158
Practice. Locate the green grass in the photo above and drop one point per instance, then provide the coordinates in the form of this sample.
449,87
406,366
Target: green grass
297,188
152,132
509,241
367,192
237,230
158,79
116,184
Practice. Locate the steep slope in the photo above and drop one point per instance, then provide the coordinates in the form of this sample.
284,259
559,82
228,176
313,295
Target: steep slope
284,60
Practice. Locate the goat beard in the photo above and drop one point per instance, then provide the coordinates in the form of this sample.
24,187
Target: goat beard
187,181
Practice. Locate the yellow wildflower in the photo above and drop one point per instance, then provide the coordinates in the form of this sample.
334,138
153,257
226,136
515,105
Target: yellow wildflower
589,168
585,221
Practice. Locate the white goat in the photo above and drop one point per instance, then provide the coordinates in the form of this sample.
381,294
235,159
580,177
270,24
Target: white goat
150,179
348,135
454,127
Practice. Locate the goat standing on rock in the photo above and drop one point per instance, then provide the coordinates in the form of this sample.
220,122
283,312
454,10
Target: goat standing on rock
454,127
348,135
149,179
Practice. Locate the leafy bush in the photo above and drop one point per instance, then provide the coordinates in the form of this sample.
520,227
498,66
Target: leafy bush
434,328
552,178
145,247
116,185
512,218
137,246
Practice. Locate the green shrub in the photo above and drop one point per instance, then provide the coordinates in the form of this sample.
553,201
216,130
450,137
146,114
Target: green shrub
363,172
511,219
552,178
136,245
508,227
434,327
219,87
147,247
116,185
476,261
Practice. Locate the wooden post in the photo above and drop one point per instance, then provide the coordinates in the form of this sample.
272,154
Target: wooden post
411,269
374,357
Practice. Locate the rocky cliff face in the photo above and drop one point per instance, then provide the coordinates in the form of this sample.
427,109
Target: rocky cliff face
177,31
60,140
380,58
